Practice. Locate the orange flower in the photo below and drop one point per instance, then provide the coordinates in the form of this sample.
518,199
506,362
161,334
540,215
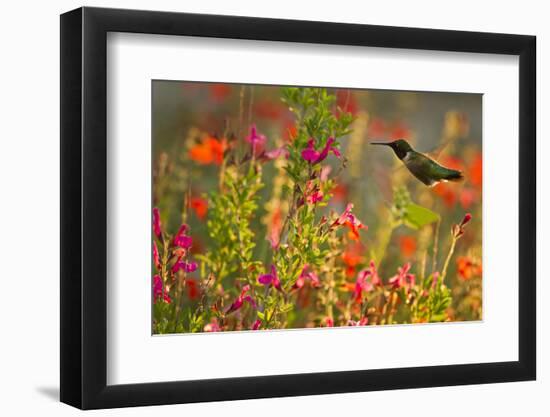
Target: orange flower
476,171
352,257
468,268
407,244
219,91
209,151
446,192
200,206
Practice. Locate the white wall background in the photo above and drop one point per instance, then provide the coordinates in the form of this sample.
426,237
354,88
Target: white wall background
29,209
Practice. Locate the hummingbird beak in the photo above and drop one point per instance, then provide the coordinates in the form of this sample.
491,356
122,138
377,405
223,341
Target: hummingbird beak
381,143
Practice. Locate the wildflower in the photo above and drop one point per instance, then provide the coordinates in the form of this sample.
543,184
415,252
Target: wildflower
468,268
312,156
362,322
157,227
159,292
348,219
213,326
184,266
209,151
352,257
181,239
304,276
200,206
238,303
362,285
458,229
156,257
329,322
256,140
192,289
219,91
277,153
407,245
402,278
257,324
271,279
312,194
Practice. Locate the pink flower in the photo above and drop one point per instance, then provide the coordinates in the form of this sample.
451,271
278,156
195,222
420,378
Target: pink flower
348,218
312,156
362,284
181,239
159,292
156,257
256,140
184,266
157,227
329,322
277,153
403,278
213,326
306,275
257,324
363,322
238,303
271,279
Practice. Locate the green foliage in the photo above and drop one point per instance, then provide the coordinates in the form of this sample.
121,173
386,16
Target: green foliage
406,212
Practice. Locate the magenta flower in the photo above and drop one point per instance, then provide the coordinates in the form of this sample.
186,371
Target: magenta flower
363,322
312,156
403,278
156,257
256,140
304,276
159,292
257,324
271,279
157,227
238,303
181,239
184,266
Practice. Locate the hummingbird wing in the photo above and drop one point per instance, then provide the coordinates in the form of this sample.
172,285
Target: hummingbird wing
428,171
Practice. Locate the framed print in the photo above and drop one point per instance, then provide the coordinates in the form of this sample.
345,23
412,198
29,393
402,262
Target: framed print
258,208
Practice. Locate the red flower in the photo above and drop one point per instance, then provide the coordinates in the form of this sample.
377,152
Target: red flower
348,219
403,278
257,140
219,91
468,268
304,276
312,156
271,279
241,299
159,292
200,206
407,244
157,227
209,151
181,239
156,257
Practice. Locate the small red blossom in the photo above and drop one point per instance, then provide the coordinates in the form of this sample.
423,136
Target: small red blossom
271,279
199,206
181,239
407,245
468,268
312,156
156,257
458,229
241,299
348,219
209,151
305,275
402,278
157,227
184,266
160,293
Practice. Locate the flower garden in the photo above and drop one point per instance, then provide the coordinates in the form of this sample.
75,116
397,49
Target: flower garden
272,211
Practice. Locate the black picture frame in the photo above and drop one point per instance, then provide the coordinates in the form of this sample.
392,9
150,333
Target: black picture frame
84,207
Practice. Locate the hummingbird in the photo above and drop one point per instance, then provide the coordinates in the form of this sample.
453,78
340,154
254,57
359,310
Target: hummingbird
422,167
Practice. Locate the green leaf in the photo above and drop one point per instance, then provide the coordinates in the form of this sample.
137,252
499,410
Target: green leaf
417,216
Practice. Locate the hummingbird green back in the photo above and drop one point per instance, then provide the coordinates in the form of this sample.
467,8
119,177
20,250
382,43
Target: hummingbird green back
422,167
